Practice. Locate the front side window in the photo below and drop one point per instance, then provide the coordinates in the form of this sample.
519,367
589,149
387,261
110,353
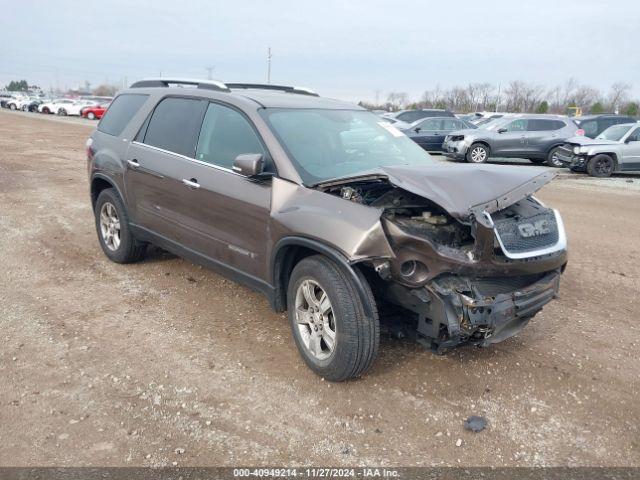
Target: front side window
225,134
454,124
517,126
635,136
431,124
326,144
121,111
175,124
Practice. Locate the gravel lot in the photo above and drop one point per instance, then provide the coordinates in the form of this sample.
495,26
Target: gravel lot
163,361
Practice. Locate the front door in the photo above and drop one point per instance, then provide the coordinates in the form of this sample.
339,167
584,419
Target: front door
631,152
513,141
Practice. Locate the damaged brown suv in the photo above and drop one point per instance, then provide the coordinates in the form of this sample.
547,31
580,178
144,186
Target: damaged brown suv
332,213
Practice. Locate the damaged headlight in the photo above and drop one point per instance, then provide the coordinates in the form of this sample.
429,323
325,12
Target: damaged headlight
576,150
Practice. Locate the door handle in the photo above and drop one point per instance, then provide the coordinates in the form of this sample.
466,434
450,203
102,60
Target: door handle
192,183
133,163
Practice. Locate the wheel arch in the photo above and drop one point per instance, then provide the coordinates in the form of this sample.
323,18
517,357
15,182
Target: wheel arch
291,250
99,183
613,156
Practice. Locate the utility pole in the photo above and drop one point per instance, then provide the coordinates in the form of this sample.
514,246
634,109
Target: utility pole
210,72
268,64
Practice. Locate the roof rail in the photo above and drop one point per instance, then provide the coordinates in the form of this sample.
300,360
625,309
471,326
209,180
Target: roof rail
165,82
268,86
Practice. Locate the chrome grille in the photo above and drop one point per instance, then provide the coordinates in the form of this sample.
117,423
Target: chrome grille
519,235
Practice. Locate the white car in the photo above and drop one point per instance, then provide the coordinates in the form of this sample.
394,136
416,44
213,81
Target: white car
59,105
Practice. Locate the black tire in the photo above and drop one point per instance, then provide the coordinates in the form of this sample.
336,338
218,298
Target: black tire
62,112
91,116
537,161
357,335
129,249
478,153
12,106
552,159
45,110
601,166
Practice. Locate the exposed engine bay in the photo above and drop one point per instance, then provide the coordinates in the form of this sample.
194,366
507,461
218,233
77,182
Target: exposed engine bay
454,281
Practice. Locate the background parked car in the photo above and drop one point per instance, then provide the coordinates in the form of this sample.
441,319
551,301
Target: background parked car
617,149
429,133
94,112
54,106
410,116
594,125
534,137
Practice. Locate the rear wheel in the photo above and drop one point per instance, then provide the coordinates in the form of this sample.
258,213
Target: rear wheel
91,116
114,232
62,112
478,153
552,158
45,110
600,166
12,106
332,332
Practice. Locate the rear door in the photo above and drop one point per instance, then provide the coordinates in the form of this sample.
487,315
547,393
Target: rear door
542,134
513,142
157,163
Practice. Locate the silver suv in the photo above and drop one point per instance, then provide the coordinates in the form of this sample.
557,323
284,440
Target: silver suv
617,149
534,137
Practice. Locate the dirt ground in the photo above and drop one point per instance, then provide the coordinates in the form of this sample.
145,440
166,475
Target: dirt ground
163,361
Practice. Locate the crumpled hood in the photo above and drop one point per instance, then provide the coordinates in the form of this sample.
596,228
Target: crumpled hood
465,190
586,141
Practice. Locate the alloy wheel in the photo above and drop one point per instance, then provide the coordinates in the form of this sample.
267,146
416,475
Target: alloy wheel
315,320
603,166
110,226
478,155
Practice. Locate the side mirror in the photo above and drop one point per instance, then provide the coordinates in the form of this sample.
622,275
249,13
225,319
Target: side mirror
248,164
502,130
417,129
631,139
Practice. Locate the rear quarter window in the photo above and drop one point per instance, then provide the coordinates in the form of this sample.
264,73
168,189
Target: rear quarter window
120,113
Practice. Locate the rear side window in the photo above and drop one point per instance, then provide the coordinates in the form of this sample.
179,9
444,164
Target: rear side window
225,134
120,112
590,127
541,125
175,124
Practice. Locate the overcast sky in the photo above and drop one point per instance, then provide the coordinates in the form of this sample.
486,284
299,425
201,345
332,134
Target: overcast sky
342,48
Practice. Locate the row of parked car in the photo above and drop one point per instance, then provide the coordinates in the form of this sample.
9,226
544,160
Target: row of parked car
88,107
597,144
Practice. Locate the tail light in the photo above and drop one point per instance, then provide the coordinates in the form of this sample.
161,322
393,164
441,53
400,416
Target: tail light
580,131
90,151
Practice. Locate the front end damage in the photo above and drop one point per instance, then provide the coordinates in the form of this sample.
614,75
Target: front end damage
476,276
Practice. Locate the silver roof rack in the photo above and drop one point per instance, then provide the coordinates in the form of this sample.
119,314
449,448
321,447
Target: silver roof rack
268,86
166,82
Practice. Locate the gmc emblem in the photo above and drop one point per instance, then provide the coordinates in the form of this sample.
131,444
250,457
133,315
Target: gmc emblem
535,229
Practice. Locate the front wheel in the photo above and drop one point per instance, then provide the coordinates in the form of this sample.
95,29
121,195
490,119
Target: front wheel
114,232
91,116
600,166
62,112
478,153
552,158
332,332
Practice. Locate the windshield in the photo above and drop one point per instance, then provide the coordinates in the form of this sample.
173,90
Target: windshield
614,133
327,144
